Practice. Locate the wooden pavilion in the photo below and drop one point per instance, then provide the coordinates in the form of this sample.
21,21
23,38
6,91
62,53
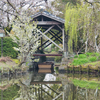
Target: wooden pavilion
52,30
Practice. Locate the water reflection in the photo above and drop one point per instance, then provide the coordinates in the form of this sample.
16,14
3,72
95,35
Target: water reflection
49,85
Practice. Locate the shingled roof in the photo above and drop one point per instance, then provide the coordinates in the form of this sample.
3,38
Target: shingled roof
49,15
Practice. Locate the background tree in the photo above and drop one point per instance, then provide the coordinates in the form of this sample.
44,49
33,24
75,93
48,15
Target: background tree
13,8
81,27
58,6
25,35
15,17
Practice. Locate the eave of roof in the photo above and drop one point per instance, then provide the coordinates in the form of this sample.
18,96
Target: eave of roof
49,15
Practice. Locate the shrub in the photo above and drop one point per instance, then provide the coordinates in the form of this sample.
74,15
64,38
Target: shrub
96,54
58,58
89,53
8,45
98,57
80,61
75,56
93,59
82,56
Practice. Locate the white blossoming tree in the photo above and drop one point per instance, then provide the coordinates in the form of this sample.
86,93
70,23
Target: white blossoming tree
24,33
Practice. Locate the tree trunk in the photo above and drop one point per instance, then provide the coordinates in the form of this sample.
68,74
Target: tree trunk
21,64
86,45
97,49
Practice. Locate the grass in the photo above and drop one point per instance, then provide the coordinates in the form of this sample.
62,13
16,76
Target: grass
85,58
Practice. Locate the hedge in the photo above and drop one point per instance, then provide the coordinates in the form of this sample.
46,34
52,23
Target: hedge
8,45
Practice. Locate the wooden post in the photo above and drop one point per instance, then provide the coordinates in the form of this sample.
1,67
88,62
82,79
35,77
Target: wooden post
41,92
73,70
88,70
98,73
63,37
80,71
67,69
98,70
41,43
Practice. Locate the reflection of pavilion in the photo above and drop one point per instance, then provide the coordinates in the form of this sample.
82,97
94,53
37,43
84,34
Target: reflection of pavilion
44,91
47,89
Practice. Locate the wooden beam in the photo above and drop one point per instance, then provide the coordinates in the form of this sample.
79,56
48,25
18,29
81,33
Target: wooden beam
47,54
47,93
41,91
50,40
44,33
63,38
46,42
49,44
59,27
52,89
47,23
56,37
49,28
41,43
58,96
46,82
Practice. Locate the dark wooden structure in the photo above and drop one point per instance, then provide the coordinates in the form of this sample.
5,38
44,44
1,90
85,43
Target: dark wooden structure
46,82
47,54
41,92
46,65
52,30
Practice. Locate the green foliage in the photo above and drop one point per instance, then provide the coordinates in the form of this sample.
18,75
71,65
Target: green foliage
96,54
75,56
71,1
16,61
58,58
89,53
93,59
93,54
82,56
8,45
76,17
85,58
98,57
10,93
80,61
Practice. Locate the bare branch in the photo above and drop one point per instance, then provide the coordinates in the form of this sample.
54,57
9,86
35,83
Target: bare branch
12,6
89,2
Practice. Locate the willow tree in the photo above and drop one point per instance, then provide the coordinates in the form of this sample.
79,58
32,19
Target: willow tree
78,18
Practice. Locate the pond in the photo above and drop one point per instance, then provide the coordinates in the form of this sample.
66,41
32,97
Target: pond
47,84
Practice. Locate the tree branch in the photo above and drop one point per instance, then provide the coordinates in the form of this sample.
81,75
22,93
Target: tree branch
88,2
12,6
8,12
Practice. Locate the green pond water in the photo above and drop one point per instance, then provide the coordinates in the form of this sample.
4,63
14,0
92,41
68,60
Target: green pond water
45,84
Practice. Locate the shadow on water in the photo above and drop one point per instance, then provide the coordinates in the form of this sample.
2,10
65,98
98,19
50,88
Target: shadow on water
50,84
